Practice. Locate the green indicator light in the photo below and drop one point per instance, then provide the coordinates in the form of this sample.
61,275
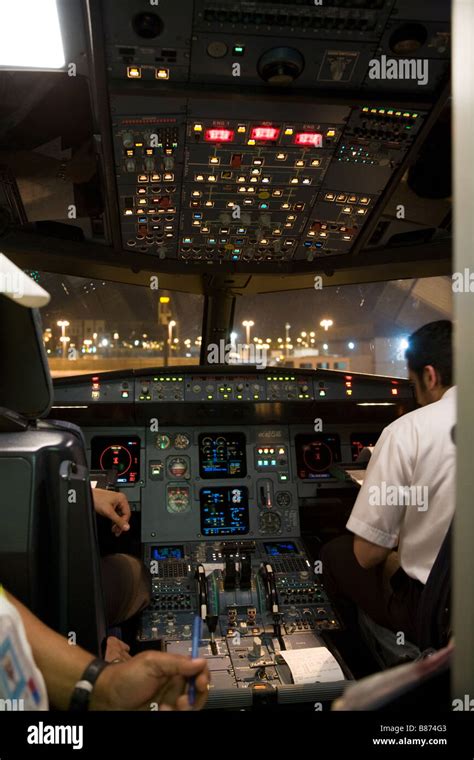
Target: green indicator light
238,50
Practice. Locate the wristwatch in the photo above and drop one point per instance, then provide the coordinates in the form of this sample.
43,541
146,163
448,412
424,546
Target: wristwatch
83,689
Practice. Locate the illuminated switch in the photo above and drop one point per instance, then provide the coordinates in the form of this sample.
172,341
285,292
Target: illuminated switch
329,196
134,72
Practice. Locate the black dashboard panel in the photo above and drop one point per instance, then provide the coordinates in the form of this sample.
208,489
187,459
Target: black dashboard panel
202,437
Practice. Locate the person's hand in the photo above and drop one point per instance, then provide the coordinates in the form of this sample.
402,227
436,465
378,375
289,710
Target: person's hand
151,679
116,650
114,506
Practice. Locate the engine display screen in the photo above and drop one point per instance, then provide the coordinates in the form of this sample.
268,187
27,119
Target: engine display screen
360,440
316,453
280,548
120,453
224,511
167,552
222,455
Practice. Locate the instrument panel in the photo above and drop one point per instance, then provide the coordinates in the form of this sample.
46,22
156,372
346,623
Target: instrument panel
219,465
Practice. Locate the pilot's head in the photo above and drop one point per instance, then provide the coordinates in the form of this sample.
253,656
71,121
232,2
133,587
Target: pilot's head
430,360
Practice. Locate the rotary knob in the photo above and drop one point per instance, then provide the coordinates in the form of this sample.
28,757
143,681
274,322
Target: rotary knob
281,65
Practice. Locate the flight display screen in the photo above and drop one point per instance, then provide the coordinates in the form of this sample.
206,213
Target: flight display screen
222,455
224,511
167,552
360,440
316,453
280,548
120,453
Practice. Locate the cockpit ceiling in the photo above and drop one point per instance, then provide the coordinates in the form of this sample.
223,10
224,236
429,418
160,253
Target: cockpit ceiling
255,143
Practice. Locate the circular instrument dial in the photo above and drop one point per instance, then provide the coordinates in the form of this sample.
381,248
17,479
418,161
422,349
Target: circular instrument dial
182,441
283,499
270,522
162,441
178,500
178,467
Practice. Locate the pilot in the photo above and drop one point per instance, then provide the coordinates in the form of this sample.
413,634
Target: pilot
406,503
125,580
42,666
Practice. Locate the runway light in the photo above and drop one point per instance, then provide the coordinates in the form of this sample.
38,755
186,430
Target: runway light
264,133
31,37
219,135
312,139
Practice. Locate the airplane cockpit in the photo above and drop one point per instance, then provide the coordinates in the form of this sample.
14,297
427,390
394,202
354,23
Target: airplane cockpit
223,230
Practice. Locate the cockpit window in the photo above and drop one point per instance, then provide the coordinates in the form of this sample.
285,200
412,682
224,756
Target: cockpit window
94,325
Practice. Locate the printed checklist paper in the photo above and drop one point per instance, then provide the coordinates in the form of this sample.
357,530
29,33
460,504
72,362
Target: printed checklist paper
312,665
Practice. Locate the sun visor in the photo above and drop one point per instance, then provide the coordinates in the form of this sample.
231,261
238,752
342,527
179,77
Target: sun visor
25,379
15,284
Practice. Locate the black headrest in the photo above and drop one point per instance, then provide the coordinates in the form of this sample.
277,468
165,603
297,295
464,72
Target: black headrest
25,379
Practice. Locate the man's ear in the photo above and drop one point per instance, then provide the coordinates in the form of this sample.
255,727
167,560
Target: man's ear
430,377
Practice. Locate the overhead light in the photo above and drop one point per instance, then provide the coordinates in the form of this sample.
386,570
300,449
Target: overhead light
30,38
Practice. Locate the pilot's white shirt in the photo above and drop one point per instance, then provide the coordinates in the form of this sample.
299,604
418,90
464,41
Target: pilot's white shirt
408,494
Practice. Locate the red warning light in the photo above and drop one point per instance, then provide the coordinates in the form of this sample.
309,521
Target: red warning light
264,133
219,135
310,139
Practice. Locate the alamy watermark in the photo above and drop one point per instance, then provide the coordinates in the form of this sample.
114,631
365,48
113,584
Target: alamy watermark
399,68
463,282
238,353
13,283
386,495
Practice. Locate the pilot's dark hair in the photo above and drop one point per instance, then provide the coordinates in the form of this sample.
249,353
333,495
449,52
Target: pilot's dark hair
431,345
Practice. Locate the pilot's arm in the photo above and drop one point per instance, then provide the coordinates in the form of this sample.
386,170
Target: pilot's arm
149,677
376,523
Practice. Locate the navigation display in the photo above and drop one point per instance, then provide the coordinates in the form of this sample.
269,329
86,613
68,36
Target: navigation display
222,455
224,511
118,452
316,453
360,441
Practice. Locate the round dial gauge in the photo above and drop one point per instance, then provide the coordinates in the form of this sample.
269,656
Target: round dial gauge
270,522
177,499
182,441
162,441
178,467
283,499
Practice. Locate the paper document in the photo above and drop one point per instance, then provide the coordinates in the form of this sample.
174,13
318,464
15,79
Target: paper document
357,476
312,665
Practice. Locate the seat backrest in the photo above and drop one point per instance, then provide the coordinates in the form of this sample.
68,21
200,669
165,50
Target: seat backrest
433,620
49,555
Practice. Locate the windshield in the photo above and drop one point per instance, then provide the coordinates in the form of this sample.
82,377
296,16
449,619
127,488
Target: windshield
93,325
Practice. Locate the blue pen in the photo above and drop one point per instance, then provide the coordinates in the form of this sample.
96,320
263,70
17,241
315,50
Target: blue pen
197,629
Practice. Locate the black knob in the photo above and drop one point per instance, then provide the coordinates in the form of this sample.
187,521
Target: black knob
281,66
